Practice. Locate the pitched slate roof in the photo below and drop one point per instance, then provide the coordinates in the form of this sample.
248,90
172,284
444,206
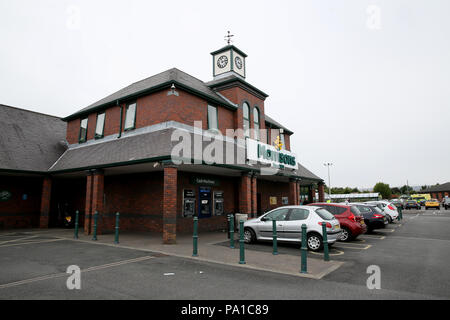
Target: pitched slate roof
305,173
157,82
29,141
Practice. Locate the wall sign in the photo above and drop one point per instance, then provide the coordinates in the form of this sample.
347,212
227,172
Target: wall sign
285,200
204,181
273,200
5,195
265,153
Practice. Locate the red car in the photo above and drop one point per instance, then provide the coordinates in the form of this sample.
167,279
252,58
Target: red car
349,217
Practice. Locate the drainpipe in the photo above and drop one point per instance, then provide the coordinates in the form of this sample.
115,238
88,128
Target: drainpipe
120,124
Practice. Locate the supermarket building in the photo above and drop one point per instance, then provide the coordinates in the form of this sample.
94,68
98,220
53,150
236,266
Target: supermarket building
150,152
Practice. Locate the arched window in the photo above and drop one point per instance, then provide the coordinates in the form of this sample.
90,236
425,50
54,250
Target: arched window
246,113
256,123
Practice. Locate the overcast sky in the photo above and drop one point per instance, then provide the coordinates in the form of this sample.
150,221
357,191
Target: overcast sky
363,84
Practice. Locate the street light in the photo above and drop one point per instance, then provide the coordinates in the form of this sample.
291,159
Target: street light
328,164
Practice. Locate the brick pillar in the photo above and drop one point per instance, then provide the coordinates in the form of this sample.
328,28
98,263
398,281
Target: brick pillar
254,197
170,205
88,206
321,192
292,191
98,185
45,202
298,192
245,200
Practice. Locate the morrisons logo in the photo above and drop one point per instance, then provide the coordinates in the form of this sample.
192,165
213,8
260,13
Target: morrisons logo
275,156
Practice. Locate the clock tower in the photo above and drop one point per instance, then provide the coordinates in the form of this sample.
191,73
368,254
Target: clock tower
228,61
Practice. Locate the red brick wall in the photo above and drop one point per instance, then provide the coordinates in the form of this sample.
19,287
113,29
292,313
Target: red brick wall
170,205
18,212
272,189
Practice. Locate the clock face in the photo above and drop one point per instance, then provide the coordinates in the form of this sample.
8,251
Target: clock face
222,62
238,62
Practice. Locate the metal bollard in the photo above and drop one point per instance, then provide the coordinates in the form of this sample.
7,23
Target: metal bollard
241,242
228,226
304,250
76,225
94,237
326,256
275,246
116,238
195,238
231,231
400,214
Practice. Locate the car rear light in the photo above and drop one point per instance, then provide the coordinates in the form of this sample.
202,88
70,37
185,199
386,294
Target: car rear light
327,224
376,215
391,207
352,217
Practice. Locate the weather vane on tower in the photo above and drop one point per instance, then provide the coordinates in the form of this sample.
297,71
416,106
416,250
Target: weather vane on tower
228,37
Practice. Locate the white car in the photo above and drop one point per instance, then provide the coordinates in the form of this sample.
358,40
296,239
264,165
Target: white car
289,222
388,208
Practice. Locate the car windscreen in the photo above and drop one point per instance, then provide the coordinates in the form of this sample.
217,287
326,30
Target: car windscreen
324,214
364,209
355,210
377,210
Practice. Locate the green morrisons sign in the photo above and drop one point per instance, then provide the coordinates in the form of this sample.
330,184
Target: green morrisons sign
276,156
267,154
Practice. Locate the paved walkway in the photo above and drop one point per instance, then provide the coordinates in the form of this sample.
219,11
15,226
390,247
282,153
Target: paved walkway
208,250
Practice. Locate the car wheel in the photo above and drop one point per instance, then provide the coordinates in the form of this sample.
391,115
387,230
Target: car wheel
249,235
389,218
346,234
314,242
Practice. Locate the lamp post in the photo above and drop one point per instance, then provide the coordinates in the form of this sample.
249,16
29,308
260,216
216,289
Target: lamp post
328,165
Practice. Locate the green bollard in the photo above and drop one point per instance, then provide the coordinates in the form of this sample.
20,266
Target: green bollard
241,242
275,247
400,214
116,238
326,256
231,231
76,225
304,250
195,238
94,237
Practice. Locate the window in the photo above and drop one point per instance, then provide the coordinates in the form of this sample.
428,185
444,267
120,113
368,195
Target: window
324,214
130,116
278,215
256,123
246,113
213,123
83,130
100,126
298,214
282,141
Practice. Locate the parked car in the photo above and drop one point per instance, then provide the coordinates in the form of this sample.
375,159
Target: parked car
412,204
398,203
374,217
446,203
389,209
433,203
351,220
289,222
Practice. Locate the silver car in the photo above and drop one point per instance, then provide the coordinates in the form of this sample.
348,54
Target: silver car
289,222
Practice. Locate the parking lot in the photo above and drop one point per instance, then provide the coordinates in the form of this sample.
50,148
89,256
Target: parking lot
413,256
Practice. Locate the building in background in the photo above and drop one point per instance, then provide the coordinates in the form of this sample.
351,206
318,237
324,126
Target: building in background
438,191
116,155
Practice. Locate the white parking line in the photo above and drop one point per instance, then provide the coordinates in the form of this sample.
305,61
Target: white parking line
30,242
339,252
26,238
59,275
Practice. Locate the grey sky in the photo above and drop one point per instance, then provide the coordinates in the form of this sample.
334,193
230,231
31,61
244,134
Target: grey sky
375,102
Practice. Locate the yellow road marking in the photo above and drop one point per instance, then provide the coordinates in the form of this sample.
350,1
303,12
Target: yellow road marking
357,248
374,236
339,252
